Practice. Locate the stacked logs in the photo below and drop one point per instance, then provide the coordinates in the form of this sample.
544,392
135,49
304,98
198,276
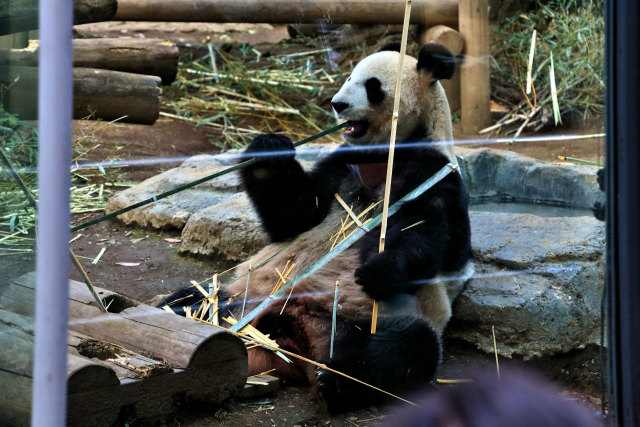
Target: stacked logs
113,78
135,361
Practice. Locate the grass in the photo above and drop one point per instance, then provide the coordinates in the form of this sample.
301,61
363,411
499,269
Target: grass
572,33
19,143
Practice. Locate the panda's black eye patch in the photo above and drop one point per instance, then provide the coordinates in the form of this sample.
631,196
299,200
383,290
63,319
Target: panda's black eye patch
374,90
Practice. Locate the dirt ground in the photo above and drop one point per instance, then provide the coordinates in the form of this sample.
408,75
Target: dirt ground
161,268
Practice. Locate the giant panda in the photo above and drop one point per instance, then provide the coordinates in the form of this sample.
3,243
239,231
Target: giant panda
427,256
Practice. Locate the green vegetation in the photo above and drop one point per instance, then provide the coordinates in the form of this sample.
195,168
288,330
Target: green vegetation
569,31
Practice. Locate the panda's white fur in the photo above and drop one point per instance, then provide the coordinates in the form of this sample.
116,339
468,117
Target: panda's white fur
422,102
304,325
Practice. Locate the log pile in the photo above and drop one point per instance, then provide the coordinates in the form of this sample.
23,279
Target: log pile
113,78
141,360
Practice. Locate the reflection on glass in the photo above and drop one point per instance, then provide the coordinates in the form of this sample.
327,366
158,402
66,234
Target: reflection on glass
526,99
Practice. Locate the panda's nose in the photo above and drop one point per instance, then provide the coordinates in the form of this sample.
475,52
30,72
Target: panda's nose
339,106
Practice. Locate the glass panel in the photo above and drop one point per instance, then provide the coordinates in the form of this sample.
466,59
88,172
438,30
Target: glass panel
18,190
518,87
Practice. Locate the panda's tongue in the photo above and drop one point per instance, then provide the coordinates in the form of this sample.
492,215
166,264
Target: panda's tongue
355,127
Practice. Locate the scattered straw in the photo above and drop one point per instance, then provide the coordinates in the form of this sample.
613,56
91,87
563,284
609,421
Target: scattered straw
348,209
258,338
97,258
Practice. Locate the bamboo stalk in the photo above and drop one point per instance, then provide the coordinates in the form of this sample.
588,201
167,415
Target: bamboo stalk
392,145
580,161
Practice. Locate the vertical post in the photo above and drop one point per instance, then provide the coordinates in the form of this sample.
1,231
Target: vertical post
623,205
474,74
52,258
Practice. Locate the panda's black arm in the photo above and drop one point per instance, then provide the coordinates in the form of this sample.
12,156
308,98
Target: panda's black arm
415,246
289,200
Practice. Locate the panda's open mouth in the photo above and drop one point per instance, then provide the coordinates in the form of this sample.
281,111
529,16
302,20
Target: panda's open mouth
356,128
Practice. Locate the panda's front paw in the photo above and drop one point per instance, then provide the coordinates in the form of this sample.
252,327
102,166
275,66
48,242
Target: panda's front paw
270,148
381,276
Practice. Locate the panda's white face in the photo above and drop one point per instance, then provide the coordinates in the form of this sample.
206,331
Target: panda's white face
365,101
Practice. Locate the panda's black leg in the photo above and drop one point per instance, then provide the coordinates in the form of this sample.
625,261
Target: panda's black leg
402,356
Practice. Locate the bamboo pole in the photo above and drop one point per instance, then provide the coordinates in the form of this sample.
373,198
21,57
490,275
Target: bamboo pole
392,145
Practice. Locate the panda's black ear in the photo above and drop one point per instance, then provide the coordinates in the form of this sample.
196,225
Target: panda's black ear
437,61
392,46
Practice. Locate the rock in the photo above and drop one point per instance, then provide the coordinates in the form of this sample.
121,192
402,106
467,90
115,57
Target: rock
538,281
230,229
489,173
175,210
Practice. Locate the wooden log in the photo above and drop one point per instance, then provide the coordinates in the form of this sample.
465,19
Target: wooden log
103,94
452,40
16,361
22,15
474,75
108,384
427,12
113,94
445,36
154,57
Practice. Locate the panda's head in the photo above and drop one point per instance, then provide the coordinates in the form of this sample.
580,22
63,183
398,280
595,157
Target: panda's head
365,101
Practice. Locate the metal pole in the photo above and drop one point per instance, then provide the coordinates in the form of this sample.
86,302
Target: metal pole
52,258
623,231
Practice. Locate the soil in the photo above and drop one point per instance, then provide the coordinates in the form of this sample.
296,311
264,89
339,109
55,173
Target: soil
159,268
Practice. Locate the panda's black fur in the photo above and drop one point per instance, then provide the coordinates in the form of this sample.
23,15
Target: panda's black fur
426,240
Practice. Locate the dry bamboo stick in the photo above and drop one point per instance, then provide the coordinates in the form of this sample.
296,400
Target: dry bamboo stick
392,144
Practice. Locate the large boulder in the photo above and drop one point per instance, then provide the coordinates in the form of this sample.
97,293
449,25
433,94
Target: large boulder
490,173
538,281
175,210
230,229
